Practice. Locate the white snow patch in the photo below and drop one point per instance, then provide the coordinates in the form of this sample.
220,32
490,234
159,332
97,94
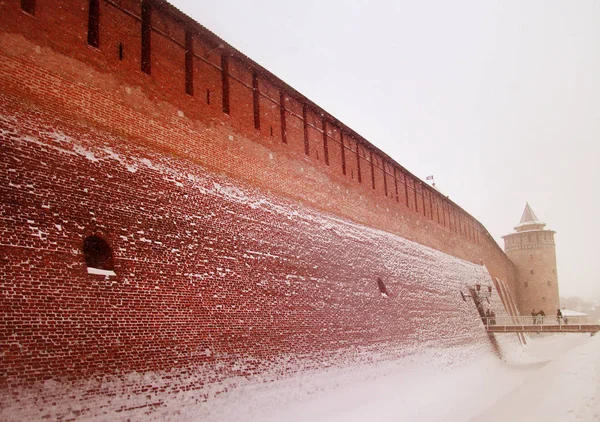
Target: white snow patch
436,385
565,389
230,191
148,164
80,150
427,384
99,271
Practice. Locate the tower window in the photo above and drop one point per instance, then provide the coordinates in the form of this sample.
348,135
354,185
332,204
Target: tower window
525,284
98,256
531,272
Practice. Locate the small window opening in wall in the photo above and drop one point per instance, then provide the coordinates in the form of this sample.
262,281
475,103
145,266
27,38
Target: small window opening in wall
531,272
544,298
530,257
525,284
317,155
256,100
382,289
372,169
271,129
98,256
208,96
146,36
189,63
28,6
120,51
351,173
225,83
94,23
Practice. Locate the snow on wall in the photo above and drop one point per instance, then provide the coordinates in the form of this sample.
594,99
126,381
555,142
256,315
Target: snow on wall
67,78
217,285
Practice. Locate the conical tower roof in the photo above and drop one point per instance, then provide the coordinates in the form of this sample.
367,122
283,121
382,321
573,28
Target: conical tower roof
528,215
529,220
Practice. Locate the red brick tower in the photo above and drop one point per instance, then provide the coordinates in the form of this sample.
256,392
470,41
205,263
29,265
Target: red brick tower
532,250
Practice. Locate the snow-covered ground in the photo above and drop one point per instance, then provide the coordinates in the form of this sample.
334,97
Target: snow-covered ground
565,389
555,378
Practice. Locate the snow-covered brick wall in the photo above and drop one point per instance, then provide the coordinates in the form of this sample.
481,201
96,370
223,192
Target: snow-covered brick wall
299,151
217,284
241,254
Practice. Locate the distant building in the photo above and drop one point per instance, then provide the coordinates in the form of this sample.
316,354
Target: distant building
532,250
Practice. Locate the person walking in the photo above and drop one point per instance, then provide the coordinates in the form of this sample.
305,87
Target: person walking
488,317
534,316
559,317
541,314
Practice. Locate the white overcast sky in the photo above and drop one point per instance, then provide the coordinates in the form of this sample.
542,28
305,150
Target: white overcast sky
500,101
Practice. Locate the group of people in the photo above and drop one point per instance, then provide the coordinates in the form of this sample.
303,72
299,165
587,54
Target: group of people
538,317
491,317
560,318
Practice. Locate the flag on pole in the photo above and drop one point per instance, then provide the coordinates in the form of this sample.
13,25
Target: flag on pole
429,178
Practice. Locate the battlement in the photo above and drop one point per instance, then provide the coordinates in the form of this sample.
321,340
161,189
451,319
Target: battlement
154,45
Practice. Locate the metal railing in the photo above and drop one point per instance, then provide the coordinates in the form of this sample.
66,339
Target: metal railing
539,321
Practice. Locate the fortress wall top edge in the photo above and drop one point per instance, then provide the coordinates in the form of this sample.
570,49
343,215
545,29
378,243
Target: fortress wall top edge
177,60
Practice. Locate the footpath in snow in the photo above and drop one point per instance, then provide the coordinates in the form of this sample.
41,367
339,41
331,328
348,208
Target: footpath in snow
555,378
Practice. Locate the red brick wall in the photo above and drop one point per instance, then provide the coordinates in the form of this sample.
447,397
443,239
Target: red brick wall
202,263
167,83
156,313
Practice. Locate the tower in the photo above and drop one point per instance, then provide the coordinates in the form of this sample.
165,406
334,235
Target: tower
531,248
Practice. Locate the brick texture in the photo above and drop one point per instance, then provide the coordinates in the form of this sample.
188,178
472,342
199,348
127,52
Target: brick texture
233,247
